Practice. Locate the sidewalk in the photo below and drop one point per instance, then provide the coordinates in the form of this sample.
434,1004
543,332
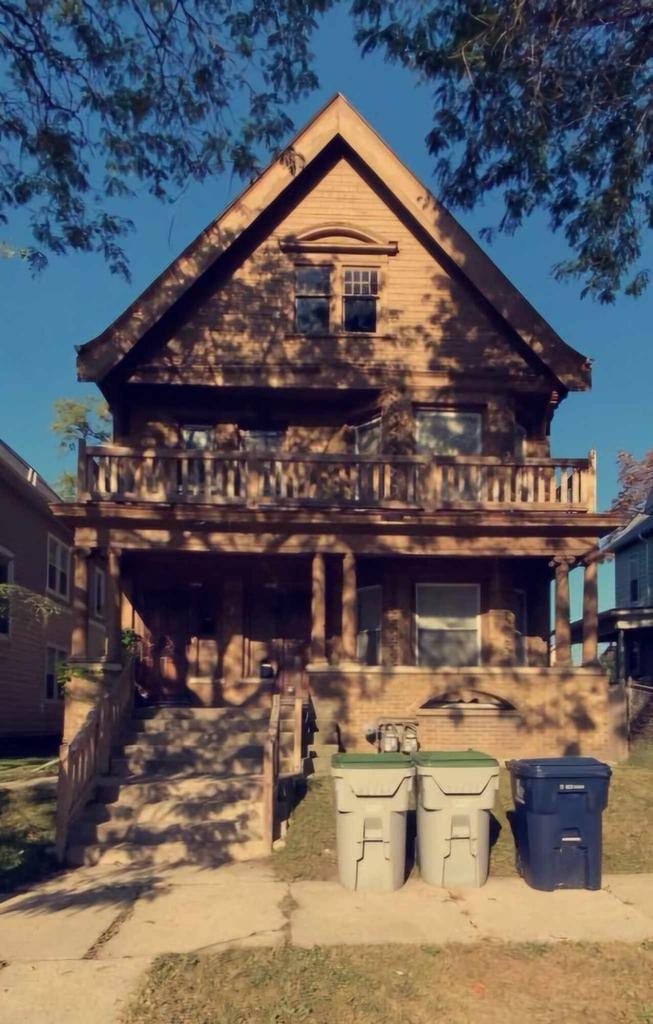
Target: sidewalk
94,931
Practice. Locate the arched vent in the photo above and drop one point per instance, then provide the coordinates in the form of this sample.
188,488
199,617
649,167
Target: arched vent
345,238
464,698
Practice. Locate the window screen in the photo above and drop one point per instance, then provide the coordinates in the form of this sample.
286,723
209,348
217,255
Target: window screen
447,624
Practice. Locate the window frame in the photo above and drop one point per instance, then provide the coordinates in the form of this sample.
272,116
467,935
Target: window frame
329,296
431,583
449,412
60,654
7,557
99,586
344,295
61,546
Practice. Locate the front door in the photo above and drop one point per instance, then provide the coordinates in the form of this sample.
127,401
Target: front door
278,630
166,664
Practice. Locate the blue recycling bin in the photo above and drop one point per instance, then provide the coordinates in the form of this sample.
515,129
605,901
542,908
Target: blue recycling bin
557,823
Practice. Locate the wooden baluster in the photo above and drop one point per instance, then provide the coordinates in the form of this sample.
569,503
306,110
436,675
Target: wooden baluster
254,479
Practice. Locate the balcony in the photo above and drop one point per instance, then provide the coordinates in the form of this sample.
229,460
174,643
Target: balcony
345,481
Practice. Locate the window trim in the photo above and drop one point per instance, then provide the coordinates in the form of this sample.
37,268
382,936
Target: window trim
9,557
435,583
99,584
57,696
68,550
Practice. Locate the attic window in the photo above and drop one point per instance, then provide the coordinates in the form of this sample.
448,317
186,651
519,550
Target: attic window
312,299
360,292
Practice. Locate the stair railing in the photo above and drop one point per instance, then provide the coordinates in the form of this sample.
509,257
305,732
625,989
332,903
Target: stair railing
271,771
88,754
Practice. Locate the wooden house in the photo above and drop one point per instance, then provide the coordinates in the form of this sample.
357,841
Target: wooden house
331,454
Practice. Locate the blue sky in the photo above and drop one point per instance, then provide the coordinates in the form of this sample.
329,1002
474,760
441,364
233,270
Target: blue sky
76,297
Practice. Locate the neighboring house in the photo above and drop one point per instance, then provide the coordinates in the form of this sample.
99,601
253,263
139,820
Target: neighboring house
331,451
629,625
36,561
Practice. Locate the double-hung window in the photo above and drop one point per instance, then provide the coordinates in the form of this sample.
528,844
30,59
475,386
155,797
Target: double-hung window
447,624
6,577
312,299
54,657
58,577
360,289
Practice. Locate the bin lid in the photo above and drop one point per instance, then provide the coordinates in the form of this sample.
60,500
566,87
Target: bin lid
454,759
371,760
559,767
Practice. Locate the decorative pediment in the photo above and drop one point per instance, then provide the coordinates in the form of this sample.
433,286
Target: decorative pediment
338,238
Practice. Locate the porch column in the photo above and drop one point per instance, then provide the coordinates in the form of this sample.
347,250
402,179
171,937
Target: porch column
349,624
590,615
562,623
79,633
318,610
113,607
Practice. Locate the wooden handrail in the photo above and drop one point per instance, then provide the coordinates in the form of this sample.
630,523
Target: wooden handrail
271,772
88,754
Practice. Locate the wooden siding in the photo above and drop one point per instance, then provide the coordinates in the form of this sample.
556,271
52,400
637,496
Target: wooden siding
427,321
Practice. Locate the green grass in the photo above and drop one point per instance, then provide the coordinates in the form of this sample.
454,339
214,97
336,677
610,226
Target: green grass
15,769
488,983
26,836
627,826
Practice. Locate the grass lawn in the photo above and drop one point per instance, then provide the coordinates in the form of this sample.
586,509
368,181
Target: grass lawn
26,834
15,769
627,826
493,983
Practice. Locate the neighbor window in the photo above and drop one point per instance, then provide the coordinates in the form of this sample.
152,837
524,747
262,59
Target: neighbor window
54,657
6,576
447,624
312,299
58,580
368,639
99,593
360,290
448,432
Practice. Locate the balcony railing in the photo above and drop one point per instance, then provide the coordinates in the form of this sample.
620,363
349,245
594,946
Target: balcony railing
249,479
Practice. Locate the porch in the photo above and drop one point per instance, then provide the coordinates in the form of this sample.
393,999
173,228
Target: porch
460,645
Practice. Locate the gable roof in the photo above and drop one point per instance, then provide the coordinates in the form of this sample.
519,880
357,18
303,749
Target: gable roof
337,120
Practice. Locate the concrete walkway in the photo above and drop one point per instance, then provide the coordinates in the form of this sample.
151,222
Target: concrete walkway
91,933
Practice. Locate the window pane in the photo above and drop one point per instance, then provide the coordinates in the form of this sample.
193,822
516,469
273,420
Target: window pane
196,437
447,607
360,314
369,608
368,647
439,648
449,433
262,440
313,280
312,315
368,438
361,282
52,577
49,685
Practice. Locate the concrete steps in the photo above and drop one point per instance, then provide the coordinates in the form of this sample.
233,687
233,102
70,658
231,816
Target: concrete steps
185,787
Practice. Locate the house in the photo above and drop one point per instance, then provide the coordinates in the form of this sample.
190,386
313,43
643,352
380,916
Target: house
629,624
331,453
35,615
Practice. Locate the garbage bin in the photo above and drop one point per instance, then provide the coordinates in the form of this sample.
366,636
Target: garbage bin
557,823
455,793
373,793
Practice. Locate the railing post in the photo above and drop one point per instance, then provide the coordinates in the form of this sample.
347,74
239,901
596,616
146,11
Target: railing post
349,624
252,481
82,477
318,610
79,634
590,615
562,621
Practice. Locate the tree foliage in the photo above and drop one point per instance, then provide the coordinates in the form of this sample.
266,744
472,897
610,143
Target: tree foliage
84,419
635,482
547,102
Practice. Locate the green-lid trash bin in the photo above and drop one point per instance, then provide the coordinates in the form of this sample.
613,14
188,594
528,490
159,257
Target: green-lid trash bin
373,794
455,794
